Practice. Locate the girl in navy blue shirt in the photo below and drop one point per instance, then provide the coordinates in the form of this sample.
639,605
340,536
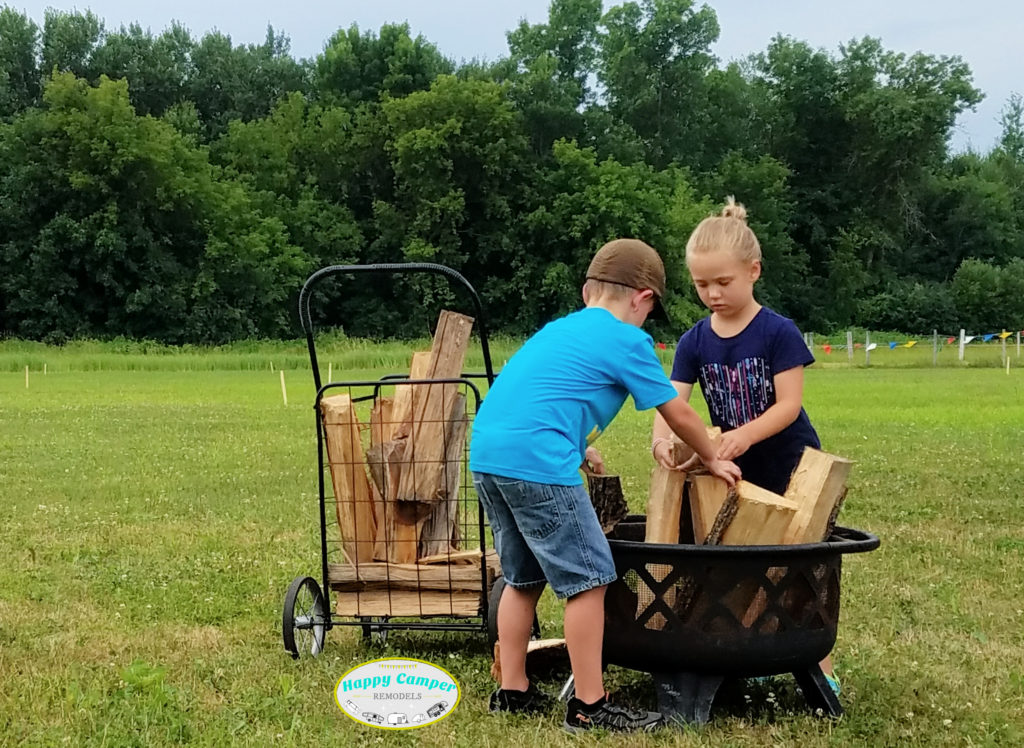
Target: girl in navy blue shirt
748,359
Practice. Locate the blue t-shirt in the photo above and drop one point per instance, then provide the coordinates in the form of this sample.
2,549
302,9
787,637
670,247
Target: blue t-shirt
559,392
737,377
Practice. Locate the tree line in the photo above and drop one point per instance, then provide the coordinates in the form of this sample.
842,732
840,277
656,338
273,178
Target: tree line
178,189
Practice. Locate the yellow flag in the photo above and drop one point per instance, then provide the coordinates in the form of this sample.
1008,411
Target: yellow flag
1004,335
910,344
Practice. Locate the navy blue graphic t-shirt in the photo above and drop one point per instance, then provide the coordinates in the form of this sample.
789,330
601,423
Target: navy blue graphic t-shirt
737,377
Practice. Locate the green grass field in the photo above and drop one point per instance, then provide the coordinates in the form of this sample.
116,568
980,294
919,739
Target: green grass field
155,509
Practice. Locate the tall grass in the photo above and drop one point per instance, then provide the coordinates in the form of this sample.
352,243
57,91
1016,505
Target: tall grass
343,354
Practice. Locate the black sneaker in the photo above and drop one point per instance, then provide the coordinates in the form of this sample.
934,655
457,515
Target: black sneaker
607,716
530,701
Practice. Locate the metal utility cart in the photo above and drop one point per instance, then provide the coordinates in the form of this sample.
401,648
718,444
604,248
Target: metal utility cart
364,442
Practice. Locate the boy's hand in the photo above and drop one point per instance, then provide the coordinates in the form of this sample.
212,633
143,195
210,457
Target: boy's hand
733,444
726,470
593,461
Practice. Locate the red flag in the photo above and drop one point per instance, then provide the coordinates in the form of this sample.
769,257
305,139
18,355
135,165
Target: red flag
827,347
950,339
661,346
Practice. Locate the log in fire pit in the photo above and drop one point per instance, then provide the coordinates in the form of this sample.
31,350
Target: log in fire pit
692,615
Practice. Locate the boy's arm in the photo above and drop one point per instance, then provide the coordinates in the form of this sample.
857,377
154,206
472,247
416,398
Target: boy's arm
789,391
684,421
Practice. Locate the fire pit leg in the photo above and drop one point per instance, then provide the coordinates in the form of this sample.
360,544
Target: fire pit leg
686,697
817,691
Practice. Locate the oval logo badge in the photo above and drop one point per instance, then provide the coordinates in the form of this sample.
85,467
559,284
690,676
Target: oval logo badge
397,693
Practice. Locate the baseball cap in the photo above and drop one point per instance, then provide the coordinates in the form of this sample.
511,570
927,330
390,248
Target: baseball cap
631,263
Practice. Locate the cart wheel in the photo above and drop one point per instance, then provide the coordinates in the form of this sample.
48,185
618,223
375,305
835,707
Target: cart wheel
303,624
370,628
492,614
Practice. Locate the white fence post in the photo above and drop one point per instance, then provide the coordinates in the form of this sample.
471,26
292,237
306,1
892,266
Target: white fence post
935,347
849,345
962,333
867,349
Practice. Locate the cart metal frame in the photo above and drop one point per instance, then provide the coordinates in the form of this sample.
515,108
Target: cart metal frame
308,614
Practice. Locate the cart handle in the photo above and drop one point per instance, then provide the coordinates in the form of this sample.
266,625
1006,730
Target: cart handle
305,294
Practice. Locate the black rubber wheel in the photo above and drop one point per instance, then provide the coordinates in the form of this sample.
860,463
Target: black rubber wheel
304,623
492,613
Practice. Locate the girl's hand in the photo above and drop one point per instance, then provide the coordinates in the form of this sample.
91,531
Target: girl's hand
733,444
664,454
594,461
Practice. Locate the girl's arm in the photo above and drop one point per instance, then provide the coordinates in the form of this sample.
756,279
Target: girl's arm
661,436
789,392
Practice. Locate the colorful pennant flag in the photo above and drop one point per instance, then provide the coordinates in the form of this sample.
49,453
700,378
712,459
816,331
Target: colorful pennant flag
661,346
827,348
950,339
892,344
872,346
988,337
910,344
968,339
1004,335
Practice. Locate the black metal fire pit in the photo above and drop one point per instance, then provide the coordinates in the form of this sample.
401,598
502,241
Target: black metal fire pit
692,615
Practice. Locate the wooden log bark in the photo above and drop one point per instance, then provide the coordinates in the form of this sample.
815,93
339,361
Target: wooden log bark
384,576
458,557
423,473
817,486
760,518
436,534
707,495
381,421
457,604
406,396
608,500
542,656
397,539
665,500
664,506
353,500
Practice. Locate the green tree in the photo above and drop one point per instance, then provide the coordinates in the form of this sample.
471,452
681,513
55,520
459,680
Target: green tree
19,62
157,69
229,83
69,40
655,57
114,225
1011,139
458,155
974,287
361,67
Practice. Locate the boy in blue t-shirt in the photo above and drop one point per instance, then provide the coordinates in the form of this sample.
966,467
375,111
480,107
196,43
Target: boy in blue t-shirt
554,397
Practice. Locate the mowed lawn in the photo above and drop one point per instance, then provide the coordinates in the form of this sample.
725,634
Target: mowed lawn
151,521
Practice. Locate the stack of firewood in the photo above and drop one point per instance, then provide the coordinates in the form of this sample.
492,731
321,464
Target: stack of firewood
701,508
397,497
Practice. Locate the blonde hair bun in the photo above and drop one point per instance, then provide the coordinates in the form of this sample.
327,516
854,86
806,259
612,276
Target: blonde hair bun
734,209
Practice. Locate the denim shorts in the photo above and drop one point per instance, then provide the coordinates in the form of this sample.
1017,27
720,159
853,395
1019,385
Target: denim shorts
545,533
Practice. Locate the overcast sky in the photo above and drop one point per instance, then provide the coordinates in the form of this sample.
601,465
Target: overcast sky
983,32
